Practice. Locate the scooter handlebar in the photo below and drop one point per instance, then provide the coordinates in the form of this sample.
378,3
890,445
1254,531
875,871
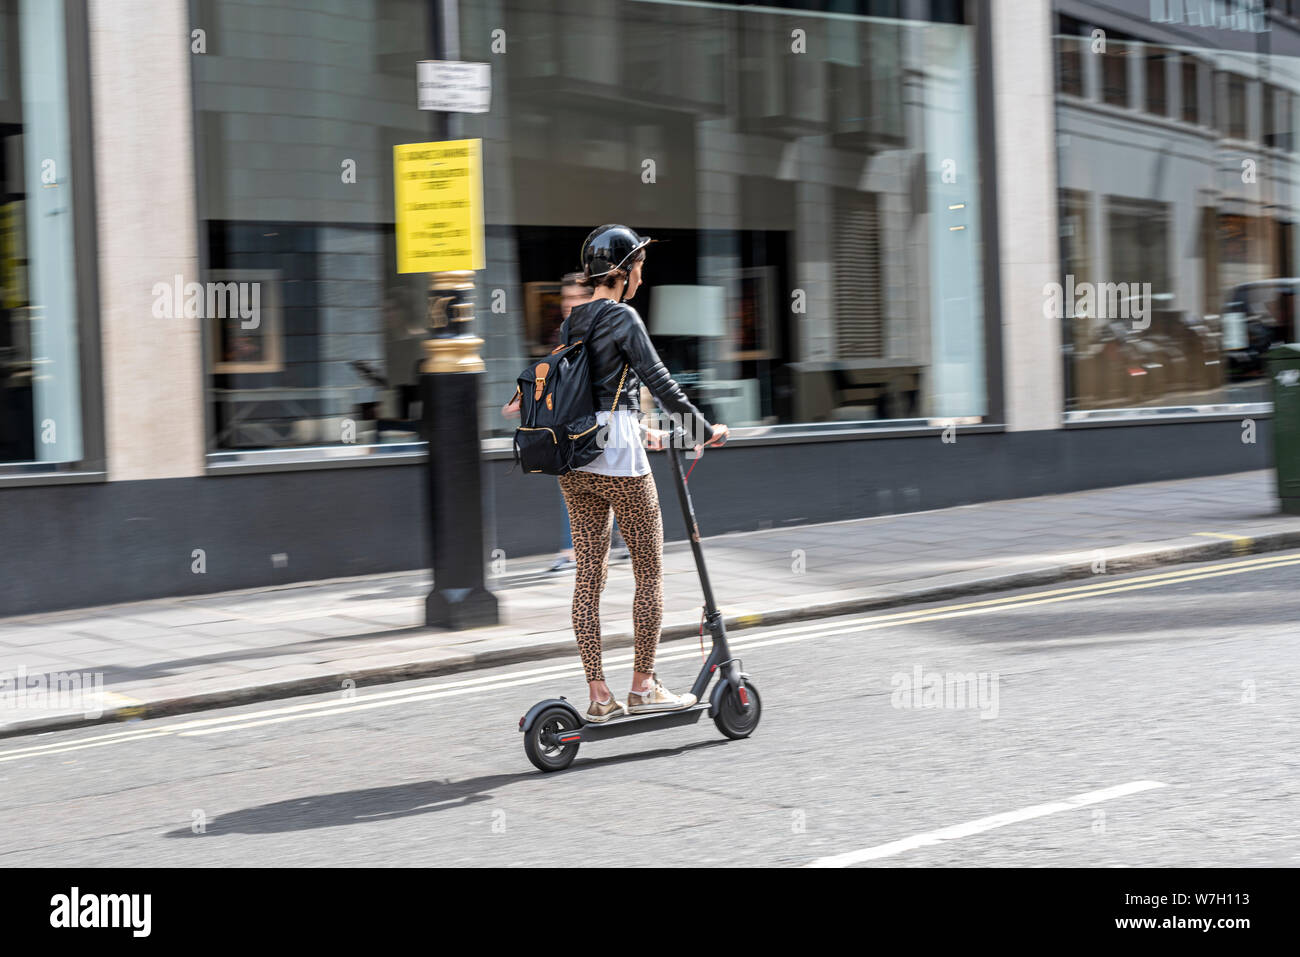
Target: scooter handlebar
687,441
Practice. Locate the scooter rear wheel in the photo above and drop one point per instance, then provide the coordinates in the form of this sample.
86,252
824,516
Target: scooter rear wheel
541,746
732,719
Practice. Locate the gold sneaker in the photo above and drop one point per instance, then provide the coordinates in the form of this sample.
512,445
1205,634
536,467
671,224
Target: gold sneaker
657,698
604,710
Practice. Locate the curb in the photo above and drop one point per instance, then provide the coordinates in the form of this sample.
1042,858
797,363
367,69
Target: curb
563,646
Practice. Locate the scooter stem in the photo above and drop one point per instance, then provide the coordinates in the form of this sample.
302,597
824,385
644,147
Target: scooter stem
692,529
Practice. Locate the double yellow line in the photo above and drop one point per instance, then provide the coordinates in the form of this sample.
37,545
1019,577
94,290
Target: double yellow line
369,699
1048,597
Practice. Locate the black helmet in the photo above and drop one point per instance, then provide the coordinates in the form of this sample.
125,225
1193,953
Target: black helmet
609,247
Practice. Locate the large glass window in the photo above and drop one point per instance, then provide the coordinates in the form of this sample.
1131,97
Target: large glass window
40,379
1177,234
816,174
816,177
298,110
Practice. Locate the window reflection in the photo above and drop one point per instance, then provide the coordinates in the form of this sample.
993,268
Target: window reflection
1189,202
822,262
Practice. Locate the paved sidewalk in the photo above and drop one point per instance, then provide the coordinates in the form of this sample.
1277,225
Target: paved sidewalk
185,654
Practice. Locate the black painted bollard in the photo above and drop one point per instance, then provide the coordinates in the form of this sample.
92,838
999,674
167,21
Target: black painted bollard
449,392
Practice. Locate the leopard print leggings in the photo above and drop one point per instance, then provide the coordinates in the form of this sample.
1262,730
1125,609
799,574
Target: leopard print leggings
635,502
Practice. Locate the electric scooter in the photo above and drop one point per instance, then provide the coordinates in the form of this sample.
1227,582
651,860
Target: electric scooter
554,729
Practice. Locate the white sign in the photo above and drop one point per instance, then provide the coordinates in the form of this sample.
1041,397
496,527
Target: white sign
453,87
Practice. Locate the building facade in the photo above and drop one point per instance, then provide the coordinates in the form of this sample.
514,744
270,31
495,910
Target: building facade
918,253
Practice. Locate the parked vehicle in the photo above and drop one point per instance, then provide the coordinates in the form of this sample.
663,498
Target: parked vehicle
1257,316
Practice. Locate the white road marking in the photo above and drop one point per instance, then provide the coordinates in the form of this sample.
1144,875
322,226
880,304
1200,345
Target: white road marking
983,824
367,698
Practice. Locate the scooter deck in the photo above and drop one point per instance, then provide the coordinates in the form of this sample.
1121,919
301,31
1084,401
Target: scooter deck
633,723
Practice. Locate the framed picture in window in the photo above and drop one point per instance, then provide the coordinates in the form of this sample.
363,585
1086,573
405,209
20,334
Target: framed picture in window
754,314
241,309
543,315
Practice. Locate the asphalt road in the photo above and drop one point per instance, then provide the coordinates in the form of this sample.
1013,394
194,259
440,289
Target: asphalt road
1144,720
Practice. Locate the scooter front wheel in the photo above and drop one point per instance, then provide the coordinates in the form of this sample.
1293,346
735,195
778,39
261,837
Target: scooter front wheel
733,719
542,741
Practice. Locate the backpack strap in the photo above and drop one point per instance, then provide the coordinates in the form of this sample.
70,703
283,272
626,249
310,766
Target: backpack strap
618,392
564,334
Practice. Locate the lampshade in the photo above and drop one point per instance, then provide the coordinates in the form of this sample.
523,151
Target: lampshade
689,311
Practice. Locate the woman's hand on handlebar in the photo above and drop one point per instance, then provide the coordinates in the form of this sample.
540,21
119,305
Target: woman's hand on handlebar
511,408
656,440
719,436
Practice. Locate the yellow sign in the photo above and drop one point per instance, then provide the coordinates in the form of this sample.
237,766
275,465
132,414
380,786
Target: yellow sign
438,194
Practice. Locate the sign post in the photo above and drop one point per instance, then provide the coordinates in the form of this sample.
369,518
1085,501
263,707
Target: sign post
438,196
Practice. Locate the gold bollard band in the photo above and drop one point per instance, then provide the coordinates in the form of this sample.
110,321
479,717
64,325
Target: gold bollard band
453,354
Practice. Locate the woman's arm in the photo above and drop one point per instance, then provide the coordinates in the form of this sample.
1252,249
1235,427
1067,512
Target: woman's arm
638,351
511,408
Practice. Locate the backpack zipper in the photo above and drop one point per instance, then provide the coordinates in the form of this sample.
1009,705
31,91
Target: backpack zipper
540,428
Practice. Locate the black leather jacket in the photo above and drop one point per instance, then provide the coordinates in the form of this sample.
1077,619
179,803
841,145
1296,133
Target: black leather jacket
614,335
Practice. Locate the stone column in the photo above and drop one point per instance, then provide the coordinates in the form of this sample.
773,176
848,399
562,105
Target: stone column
147,234
1025,116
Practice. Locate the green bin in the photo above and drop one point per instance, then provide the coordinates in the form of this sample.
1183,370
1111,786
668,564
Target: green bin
1284,373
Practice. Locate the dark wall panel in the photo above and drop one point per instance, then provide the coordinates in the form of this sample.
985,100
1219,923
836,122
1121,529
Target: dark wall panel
74,545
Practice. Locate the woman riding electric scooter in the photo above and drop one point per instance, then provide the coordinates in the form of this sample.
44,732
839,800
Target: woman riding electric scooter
622,356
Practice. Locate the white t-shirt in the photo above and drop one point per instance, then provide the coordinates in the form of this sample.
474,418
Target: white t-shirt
623,453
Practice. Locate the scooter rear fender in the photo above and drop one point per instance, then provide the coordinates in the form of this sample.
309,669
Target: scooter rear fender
527,720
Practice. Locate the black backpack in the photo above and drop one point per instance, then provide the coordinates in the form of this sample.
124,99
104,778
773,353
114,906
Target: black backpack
558,431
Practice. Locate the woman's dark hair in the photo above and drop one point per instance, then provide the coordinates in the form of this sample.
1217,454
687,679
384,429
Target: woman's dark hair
573,279
614,275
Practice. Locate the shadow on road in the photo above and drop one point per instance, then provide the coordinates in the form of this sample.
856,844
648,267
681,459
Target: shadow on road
398,801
